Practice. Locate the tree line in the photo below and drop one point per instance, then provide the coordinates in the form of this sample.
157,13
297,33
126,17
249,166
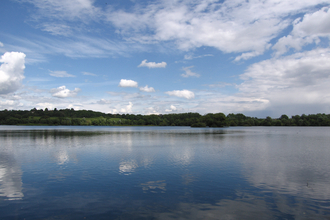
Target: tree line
89,117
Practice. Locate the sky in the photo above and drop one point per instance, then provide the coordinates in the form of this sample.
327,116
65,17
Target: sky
256,57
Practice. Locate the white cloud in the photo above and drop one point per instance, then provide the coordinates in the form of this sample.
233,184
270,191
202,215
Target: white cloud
230,26
296,82
246,56
57,29
63,92
189,72
80,10
1,44
123,110
7,103
152,111
305,31
89,74
60,74
103,102
236,26
172,109
11,71
144,63
44,105
237,103
220,85
191,56
296,71
77,46
317,23
147,89
127,167
182,93
127,83
10,177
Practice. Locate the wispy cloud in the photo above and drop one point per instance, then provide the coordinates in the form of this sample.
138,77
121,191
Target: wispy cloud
246,27
144,63
73,10
103,102
220,85
230,26
182,94
60,74
191,56
89,74
57,29
189,73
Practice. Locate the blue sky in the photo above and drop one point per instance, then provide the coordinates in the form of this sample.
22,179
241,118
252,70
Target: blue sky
258,57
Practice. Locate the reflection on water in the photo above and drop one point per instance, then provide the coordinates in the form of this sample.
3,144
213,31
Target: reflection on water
164,173
127,167
62,156
154,186
10,177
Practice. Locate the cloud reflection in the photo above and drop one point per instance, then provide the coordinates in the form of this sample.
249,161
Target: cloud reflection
154,186
288,165
62,157
127,167
10,178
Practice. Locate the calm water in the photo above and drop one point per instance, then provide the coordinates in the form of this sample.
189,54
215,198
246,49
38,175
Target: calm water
164,173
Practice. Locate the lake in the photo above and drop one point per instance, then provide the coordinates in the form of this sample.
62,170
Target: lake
164,172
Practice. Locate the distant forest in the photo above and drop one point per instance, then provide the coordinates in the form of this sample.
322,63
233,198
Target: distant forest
88,117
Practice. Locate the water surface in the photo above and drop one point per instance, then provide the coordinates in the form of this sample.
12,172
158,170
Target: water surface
164,173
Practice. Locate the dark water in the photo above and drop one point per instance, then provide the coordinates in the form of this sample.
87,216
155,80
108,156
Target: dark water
164,173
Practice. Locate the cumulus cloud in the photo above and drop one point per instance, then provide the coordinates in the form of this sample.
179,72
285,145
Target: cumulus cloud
297,82
182,93
10,104
305,31
45,105
144,63
123,110
147,89
127,83
172,109
189,72
296,71
60,74
11,71
63,92
152,111
7,102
